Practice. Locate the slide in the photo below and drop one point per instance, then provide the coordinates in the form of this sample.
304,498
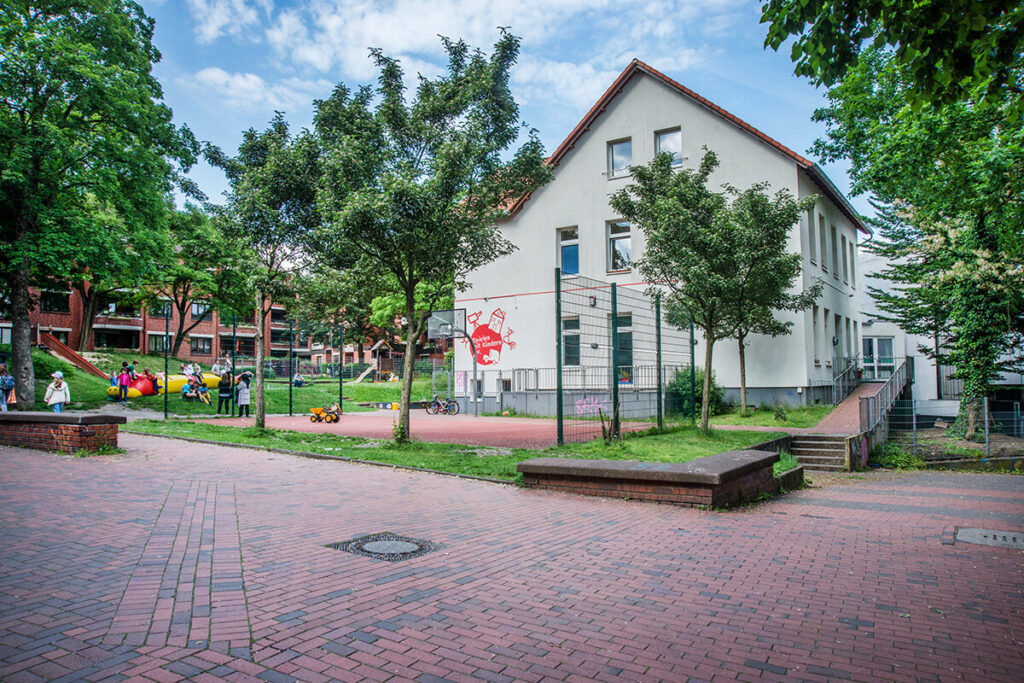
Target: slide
367,371
61,349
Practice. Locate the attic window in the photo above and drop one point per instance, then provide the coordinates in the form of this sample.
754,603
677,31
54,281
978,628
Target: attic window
620,156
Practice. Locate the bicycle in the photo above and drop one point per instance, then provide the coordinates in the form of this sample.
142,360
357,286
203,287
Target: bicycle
445,406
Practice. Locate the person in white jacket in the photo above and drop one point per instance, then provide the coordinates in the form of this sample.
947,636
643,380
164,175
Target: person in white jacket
58,395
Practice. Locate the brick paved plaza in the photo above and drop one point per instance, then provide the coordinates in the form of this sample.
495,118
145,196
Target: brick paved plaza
179,561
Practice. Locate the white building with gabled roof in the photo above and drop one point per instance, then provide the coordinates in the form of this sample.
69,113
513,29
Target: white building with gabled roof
569,224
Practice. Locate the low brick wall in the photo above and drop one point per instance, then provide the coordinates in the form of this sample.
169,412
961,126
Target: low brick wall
59,432
721,480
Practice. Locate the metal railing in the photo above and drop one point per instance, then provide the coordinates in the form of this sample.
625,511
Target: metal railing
840,386
873,409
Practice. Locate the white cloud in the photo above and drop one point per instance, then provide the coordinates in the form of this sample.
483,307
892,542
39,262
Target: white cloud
214,18
573,85
248,92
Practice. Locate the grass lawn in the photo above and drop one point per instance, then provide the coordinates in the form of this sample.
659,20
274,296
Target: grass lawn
795,417
679,445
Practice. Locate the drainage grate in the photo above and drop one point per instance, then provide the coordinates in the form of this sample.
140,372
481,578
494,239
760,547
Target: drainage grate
387,546
1003,539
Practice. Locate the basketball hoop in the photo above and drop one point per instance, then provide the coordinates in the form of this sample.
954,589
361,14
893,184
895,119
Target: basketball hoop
446,324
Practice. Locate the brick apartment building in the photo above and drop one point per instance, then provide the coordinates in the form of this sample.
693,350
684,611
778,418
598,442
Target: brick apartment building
129,327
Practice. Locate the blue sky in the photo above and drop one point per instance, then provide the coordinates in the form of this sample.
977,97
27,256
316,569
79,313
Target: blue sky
229,64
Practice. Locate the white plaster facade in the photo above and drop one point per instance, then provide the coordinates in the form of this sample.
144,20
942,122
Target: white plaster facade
641,103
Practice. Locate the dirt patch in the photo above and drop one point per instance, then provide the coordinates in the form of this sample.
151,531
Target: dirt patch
936,444
487,452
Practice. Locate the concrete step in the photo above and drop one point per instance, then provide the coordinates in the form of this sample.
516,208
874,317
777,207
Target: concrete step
820,438
824,468
816,451
820,460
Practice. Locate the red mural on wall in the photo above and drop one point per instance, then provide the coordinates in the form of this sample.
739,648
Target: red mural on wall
488,338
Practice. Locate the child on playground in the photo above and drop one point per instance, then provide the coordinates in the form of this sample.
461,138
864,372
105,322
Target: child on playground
154,380
204,392
124,379
188,390
58,395
6,387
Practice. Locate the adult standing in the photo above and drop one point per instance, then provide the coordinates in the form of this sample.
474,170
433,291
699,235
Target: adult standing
243,394
58,395
224,394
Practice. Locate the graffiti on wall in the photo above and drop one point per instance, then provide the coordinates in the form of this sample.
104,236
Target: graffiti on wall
488,338
591,406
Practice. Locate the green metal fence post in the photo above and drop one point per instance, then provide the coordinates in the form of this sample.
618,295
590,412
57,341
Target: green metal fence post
693,377
657,337
291,348
615,362
558,354
234,360
167,351
341,360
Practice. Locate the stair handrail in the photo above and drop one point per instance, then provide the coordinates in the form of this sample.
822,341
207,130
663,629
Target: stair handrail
873,409
846,381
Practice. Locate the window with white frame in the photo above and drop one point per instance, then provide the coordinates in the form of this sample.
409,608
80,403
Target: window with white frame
200,310
201,346
670,142
157,343
846,261
811,236
817,335
821,242
620,156
624,348
835,254
5,335
853,264
569,250
620,246
571,341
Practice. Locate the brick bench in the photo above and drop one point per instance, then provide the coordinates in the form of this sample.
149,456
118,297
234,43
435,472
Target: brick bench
60,432
720,480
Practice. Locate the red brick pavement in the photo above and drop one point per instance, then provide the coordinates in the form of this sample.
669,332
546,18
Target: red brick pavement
107,563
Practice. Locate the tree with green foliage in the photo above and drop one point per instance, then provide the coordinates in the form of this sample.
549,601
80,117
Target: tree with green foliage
953,179
416,187
270,214
948,51
327,298
202,266
766,271
692,243
81,126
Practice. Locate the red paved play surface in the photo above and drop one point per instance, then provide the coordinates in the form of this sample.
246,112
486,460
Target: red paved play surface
182,561
516,432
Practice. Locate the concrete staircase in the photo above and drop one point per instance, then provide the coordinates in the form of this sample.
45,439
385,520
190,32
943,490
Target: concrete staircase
822,452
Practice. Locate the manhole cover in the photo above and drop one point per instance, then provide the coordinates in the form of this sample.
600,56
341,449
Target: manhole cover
387,546
1003,539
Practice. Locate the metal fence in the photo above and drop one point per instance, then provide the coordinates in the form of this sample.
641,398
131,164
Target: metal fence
999,433
615,356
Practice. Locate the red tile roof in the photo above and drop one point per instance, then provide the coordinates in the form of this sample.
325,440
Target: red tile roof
637,67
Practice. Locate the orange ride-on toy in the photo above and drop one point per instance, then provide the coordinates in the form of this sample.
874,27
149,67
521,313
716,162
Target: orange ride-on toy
326,414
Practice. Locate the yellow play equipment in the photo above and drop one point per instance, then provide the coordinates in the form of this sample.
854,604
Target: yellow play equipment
143,387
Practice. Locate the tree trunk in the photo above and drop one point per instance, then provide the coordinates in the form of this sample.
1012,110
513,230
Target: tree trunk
705,408
179,334
407,373
743,374
21,340
89,302
260,408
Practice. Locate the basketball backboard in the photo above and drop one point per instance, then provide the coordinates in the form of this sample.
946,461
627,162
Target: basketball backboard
446,324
